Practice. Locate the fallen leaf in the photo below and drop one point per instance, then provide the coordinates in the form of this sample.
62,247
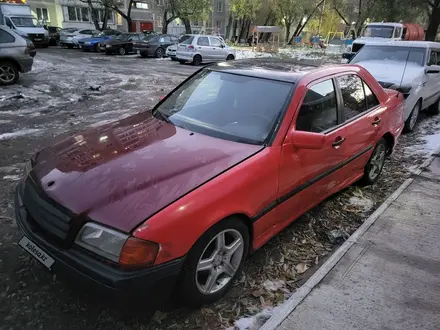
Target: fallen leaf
301,268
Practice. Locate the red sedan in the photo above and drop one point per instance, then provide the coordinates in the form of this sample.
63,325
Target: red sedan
174,199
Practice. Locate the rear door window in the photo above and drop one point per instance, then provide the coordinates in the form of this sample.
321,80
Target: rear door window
186,41
319,110
353,96
371,98
203,41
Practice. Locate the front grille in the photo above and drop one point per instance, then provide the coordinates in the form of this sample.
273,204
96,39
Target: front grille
356,47
36,35
50,217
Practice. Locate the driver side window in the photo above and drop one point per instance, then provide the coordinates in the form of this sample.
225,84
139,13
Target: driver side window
9,23
318,112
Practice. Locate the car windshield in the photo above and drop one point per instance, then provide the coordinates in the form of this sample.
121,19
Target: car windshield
379,31
183,38
228,106
123,37
25,22
390,53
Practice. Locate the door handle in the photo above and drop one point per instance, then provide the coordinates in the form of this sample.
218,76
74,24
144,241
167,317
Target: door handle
376,121
338,141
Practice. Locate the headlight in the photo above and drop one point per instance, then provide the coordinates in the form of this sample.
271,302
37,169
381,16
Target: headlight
107,46
88,43
118,247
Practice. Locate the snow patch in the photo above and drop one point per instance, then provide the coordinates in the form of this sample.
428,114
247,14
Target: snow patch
12,177
22,132
364,203
256,321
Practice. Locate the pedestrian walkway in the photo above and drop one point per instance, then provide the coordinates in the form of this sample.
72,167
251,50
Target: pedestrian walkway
388,277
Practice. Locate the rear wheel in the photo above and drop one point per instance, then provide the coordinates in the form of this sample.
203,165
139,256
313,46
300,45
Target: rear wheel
230,57
173,59
143,54
8,73
411,122
121,51
160,52
182,61
197,60
70,46
375,163
214,262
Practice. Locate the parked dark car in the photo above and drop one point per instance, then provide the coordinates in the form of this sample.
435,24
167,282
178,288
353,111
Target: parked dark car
54,35
122,44
155,45
94,42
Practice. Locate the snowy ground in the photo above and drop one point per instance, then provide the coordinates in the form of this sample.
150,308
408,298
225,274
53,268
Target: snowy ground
68,91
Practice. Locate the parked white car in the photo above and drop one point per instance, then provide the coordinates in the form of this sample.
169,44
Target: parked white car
411,67
203,48
171,50
69,37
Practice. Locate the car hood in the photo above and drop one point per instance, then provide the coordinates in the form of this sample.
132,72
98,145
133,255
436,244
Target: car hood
122,173
94,39
392,72
31,30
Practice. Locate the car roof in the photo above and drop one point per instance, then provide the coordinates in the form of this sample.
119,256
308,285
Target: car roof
269,68
403,43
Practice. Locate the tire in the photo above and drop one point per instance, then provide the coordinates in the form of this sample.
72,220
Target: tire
411,122
434,109
160,52
107,52
8,73
230,57
374,166
182,61
144,55
70,46
122,51
173,59
192,281
197,60
96,48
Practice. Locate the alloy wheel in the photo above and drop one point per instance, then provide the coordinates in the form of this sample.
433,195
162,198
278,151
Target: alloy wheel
121,51
159,53
219,261
376,161
7,74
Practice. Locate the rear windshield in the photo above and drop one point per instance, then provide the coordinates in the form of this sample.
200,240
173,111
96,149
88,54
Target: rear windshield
378,31
390,53
187,41
183,38
228,106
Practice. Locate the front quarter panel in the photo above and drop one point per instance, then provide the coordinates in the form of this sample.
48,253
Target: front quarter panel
244,189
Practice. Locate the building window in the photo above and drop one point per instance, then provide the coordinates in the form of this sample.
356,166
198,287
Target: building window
219,24
219,7
42,14
71,11
140,5
160,2
78,14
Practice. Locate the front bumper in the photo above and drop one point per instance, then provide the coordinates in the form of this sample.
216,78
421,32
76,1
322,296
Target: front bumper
87,46
171,53
155,283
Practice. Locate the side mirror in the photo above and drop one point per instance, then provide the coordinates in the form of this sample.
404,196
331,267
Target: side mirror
306,140
223,46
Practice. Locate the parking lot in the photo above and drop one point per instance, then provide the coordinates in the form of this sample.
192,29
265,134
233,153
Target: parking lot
69,91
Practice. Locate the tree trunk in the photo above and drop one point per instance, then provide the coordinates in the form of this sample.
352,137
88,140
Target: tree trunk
287,25
165,22
228,27
93,13
105,19
433,24
187,24
234,30
248,28
295,34
301,26
126,16
341,16
242,30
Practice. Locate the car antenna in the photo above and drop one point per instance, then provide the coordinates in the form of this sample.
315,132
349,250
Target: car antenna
404,70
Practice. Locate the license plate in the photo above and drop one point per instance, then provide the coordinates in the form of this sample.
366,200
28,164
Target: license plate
138,52
37,39
36,252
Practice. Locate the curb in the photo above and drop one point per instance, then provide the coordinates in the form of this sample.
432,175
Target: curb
290,304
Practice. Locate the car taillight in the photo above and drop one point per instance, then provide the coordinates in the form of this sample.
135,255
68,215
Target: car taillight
190,47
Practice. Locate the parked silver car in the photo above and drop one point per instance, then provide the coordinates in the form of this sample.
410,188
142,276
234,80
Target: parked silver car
14,56
203,48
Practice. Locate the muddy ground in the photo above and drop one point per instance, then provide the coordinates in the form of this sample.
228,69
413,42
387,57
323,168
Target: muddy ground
70,90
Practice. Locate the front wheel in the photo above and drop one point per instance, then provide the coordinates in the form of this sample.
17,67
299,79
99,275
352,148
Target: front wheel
435,108
8,73
375,164
214,262
160,53
121,51
411,122
182,61
70,46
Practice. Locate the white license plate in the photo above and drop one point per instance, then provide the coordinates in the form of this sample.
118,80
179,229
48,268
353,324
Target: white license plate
36,252
37,39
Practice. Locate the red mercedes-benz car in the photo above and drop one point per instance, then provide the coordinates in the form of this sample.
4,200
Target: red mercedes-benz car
174,199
